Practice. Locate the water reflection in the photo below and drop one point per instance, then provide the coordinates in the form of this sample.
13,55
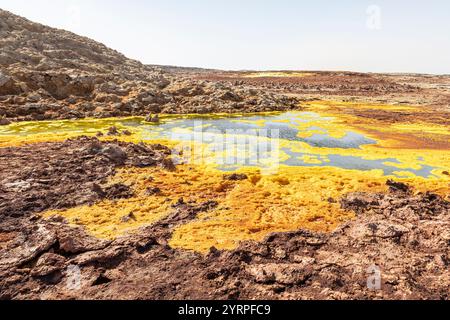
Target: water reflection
252,137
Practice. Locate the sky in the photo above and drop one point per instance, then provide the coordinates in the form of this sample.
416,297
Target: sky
352,35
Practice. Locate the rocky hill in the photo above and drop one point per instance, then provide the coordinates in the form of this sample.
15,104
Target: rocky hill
47,73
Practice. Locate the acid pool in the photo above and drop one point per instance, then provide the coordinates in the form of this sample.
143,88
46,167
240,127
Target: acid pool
231,142
298,165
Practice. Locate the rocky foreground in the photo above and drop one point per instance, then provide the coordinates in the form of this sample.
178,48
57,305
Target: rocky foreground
404,234
46,73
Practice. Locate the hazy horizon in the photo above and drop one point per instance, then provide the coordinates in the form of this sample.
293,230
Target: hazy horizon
362,36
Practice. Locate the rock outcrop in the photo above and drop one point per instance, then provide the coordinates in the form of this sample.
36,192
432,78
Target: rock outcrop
62,175
46,73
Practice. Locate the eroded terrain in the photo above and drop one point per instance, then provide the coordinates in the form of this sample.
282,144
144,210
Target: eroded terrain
125,181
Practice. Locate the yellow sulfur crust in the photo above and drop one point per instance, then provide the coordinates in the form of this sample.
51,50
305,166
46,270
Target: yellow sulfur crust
288,199
278,74
296,197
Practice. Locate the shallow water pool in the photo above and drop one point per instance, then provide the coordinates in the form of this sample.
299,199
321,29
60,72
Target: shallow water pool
230,142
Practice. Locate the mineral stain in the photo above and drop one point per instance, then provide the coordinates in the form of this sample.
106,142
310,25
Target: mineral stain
320,157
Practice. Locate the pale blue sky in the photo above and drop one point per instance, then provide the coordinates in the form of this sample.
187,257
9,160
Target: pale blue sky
358,35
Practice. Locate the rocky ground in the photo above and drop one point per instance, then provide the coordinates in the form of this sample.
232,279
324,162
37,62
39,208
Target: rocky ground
431,91
404,233
47,73
53,74
63,175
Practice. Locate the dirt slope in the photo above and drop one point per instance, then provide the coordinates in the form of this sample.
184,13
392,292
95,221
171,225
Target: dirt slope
48,73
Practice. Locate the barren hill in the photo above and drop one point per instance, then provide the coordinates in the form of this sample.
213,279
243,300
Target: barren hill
47,73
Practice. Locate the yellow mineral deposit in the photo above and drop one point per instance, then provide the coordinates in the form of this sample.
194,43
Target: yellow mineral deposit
20,133
292,198
279,74
385,123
